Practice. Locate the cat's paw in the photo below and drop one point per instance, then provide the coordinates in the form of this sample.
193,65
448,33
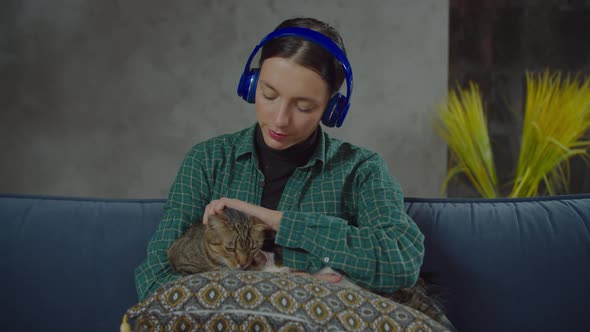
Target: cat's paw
259,259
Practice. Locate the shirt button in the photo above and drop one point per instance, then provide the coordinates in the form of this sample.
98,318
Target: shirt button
326,259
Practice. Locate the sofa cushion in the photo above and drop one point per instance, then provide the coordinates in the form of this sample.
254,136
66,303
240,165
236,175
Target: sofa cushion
509,264
265,301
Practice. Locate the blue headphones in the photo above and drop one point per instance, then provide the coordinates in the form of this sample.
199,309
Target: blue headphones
338,105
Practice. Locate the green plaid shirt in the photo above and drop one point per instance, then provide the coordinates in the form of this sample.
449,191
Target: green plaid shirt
342,209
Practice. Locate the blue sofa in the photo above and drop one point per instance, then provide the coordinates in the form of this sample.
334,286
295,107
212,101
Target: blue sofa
499,265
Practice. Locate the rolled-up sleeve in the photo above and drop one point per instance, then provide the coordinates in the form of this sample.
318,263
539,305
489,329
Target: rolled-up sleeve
384,249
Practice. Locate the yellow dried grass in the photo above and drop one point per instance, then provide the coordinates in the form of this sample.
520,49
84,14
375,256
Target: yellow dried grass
463,127
556,118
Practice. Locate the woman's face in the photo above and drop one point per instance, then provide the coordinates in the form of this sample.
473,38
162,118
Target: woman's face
290,101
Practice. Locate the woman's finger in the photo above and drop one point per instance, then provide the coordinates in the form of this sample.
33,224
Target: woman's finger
206,215
218,207
209,210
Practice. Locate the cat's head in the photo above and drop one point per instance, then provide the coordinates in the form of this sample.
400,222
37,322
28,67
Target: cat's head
233,238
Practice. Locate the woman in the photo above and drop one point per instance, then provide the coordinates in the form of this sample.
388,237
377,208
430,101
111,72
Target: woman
329,202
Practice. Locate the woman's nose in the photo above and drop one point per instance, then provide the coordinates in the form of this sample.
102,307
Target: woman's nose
282,115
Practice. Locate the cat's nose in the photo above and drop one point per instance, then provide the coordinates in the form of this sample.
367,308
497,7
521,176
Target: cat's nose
242,262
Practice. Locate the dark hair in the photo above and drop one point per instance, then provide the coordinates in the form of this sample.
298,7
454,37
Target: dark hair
307,53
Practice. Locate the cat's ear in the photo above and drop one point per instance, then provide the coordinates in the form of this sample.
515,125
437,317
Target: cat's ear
216,222
259,226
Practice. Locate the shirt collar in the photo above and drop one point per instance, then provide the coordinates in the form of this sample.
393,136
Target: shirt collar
319,155
246,144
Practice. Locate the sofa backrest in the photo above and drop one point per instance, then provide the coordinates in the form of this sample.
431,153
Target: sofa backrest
71,261
498,265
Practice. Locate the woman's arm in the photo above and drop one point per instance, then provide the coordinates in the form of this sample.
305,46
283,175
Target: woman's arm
383,252
188,195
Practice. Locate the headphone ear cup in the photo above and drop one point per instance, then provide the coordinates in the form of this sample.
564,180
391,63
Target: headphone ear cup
335,111
248,86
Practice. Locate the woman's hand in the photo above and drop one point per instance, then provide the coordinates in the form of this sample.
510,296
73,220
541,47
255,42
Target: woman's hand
271,218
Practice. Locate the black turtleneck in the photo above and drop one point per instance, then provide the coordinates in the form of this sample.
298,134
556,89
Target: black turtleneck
278,165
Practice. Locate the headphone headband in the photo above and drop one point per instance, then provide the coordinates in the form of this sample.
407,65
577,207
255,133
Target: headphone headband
340,104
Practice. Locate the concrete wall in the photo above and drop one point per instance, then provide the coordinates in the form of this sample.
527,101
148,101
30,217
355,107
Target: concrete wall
104,98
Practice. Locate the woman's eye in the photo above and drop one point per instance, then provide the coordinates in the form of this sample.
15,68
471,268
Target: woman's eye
269,97
305,107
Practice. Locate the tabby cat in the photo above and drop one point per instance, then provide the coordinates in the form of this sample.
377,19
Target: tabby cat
228,241
235,240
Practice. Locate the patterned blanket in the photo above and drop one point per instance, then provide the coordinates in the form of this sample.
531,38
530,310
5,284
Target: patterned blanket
264,301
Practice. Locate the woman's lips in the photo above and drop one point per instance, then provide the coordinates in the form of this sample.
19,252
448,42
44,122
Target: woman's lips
276,136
